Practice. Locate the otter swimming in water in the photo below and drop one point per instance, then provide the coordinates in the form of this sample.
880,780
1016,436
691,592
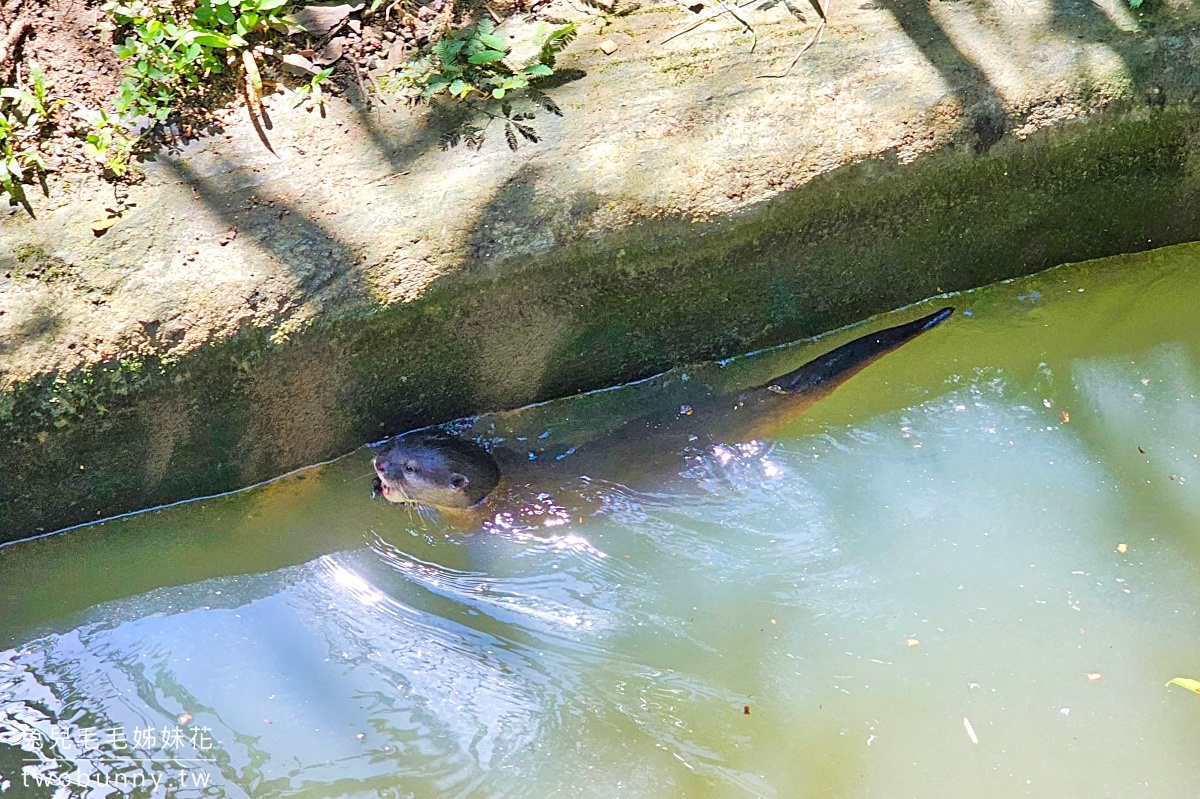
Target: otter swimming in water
439,470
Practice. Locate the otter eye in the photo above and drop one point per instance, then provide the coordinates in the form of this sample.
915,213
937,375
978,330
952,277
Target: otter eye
410,468
458,481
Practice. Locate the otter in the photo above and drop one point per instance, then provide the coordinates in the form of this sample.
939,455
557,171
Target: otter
451,474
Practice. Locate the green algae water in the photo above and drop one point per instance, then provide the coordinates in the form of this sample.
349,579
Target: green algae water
968,572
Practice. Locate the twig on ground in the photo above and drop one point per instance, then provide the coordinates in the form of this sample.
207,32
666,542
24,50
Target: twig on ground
8,46
691,26
750,30
362,90
807,45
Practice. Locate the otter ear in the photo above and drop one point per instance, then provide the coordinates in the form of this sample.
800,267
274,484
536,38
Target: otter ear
459,481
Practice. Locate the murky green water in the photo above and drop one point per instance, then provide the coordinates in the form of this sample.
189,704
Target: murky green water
813,616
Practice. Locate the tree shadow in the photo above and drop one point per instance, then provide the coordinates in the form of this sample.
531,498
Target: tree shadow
45,321
1085,20
399,152
321,263
980,101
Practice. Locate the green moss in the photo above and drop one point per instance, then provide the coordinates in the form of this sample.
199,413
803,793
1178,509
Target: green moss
28,251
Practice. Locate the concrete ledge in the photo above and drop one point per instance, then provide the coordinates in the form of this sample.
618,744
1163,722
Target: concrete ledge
861,239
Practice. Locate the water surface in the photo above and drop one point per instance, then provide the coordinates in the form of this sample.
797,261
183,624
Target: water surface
958,536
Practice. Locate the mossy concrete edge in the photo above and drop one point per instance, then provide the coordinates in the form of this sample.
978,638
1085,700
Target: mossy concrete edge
862,239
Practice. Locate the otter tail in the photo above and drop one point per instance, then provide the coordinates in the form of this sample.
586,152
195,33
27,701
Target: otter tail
839,365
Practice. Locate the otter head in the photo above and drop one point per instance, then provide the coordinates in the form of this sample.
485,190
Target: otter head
436,470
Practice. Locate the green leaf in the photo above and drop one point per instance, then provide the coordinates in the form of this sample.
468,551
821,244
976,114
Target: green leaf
1135,3
486,57
485,26
224,14
445,51
498,93
494,42
538,71
457,87
212,40
1184,682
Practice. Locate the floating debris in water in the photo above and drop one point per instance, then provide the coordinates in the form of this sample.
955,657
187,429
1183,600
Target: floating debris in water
911,642
1185,682
970,730
1093,676
1122,548
184,718
745,710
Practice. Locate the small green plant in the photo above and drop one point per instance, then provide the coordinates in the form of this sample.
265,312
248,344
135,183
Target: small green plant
25,119
468,67
312,89
107,141
172,51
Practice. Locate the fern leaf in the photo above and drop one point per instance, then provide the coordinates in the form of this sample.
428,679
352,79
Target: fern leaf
510,137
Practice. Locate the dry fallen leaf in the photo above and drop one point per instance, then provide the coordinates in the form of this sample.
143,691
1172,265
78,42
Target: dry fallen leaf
101,226
911,642
1093,676
299,65
331,52
320,20
1066,417
1122,548
745,710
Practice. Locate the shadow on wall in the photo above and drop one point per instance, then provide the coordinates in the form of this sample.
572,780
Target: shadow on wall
1086,20
980,101
400,153
321,264
44,322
